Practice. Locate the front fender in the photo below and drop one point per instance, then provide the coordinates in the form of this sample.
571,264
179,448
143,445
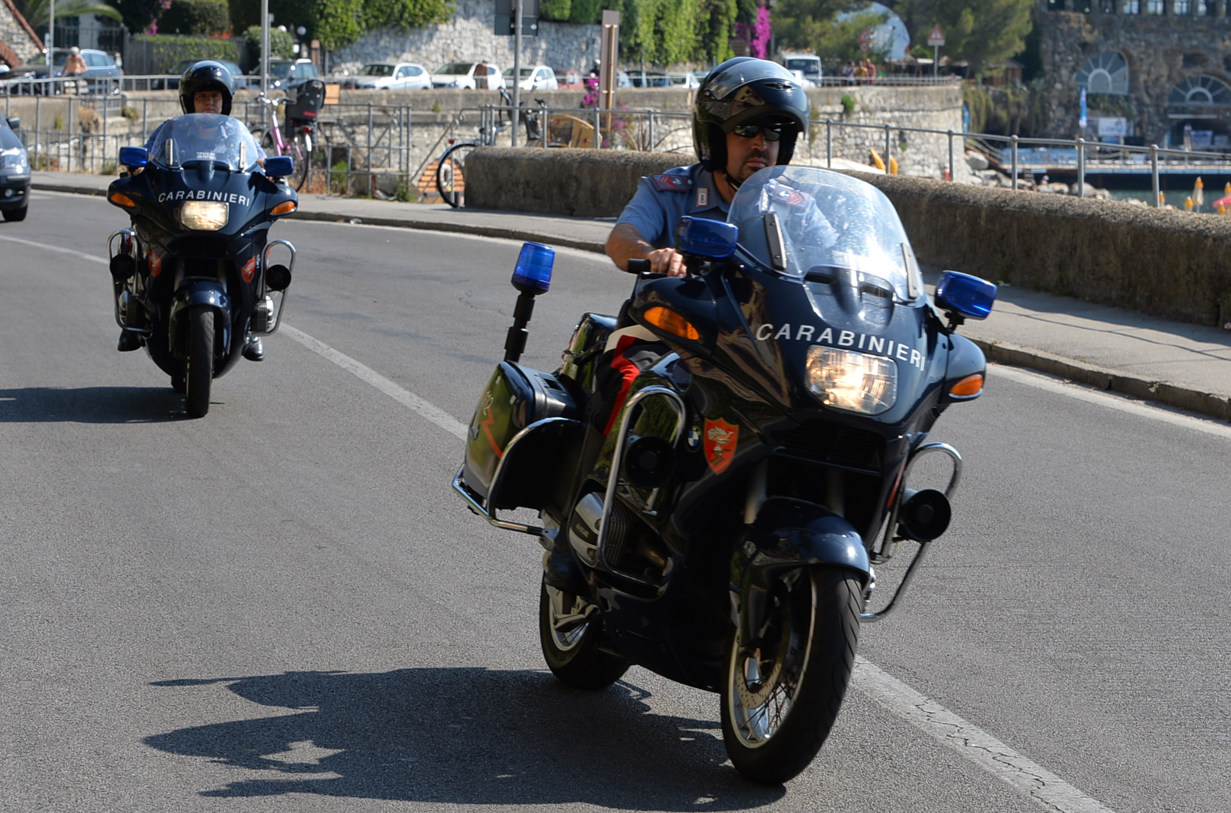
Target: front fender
787,535
194,293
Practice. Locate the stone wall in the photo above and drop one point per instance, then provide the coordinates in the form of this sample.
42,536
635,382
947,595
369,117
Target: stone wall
17,38
1171,264
469,37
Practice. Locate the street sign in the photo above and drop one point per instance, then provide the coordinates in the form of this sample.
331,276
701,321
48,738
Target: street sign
937,37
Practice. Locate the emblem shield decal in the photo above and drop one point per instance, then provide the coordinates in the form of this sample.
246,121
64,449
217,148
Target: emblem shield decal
719,444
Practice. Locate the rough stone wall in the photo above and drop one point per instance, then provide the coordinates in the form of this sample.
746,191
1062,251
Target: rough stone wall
1163,262
471,37
17,36
1161,51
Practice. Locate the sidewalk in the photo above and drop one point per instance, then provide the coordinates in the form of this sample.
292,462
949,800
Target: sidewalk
1170,363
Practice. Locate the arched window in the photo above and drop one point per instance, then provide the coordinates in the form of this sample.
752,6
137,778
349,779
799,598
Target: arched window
1105,73
1200,90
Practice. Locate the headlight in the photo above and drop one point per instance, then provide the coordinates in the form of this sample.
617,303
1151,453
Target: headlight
203,215
857,382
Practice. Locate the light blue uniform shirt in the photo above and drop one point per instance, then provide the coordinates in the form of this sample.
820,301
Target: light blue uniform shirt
661,200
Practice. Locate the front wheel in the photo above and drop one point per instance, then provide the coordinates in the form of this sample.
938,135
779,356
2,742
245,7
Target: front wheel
780,701
570,633
451,174
200,373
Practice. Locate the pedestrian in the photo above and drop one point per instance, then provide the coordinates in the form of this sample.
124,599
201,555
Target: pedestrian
74,66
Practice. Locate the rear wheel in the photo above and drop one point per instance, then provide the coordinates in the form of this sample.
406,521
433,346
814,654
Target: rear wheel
570,633
451,174
303,162
780,702
200,373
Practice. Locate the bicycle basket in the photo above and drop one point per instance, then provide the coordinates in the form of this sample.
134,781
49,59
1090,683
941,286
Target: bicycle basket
305,106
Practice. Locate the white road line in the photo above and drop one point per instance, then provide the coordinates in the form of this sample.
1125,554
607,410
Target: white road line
94,258
974,744
430,411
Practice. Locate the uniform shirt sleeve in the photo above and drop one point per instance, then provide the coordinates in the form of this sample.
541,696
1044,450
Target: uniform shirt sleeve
646,214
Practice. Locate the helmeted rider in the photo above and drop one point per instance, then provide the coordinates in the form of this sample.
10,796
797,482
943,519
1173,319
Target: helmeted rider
747,115
205,87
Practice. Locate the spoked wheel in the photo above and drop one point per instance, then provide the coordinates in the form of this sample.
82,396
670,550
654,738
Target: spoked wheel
571,634
200,373
451,174
303,162
779,703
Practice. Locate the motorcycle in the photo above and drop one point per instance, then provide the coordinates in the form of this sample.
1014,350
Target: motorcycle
729,529
195,275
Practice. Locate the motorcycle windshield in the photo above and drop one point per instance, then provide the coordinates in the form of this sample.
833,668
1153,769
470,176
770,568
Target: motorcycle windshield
808,223
197,137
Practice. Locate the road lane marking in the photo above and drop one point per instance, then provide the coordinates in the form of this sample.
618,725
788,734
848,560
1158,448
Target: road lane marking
366,374
971,742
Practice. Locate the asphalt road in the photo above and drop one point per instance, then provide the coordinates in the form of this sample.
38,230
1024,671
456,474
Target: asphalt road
284,605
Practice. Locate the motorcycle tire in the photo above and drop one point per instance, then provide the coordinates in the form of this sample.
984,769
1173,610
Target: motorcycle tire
774,727
200,373
572,642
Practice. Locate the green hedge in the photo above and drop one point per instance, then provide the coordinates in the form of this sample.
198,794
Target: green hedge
168,49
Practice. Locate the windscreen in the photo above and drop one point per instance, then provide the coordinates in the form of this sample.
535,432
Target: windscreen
221,140
378,70
807,222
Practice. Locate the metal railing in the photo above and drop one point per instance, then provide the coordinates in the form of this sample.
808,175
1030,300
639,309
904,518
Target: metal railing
363,146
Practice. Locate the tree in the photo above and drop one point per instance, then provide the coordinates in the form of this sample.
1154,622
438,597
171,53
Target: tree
38,12
340,22
204,17
981,34
801,24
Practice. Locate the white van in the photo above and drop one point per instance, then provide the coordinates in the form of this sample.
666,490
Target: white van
804,64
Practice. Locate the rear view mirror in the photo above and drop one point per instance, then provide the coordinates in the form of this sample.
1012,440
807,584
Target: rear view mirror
712,239
279,166
134,156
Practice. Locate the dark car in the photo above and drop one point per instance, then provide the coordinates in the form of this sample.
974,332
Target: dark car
102,75
177,70
14,172
286,74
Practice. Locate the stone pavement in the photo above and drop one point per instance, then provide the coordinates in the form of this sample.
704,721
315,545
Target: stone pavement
1170,363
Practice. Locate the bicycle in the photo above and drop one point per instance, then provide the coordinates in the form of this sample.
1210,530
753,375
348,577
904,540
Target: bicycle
451,168
299,147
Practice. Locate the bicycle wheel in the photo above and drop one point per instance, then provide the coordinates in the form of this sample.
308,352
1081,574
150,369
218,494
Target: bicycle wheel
451,174
303,162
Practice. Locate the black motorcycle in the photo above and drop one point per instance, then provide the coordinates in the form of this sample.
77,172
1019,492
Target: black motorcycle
194,278
729,528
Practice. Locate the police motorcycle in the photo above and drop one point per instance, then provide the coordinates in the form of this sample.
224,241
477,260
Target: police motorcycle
196,276
730,528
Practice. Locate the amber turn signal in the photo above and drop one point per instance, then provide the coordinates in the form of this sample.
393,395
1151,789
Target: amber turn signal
670,321
968,387
120,199
284,208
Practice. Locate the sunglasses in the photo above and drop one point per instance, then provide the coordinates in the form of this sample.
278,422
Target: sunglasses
751,131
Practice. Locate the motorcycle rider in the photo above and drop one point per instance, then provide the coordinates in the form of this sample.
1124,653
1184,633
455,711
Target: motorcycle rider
205,87
747,115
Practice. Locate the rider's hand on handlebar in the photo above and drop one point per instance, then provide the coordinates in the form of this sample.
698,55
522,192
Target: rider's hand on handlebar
667,261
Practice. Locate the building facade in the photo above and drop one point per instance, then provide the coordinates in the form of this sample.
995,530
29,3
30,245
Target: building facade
1137,71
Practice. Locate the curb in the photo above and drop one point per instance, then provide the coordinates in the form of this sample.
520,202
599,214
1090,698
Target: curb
1159,392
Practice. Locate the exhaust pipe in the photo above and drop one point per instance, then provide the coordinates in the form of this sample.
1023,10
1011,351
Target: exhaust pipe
924,515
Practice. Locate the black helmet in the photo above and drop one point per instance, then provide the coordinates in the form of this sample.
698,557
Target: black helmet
207,75
746,90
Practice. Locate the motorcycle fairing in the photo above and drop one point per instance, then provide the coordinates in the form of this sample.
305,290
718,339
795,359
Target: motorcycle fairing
194,293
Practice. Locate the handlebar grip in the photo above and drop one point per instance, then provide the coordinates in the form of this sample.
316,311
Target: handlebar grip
639,266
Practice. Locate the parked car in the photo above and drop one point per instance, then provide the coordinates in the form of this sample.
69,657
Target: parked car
285,74
466,75
688,81
177,70
538,77
390,76
102,75
14,172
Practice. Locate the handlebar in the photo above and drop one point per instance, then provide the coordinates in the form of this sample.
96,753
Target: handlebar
639,266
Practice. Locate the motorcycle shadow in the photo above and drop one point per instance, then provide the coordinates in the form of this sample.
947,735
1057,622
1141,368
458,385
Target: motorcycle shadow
90,405
464,736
